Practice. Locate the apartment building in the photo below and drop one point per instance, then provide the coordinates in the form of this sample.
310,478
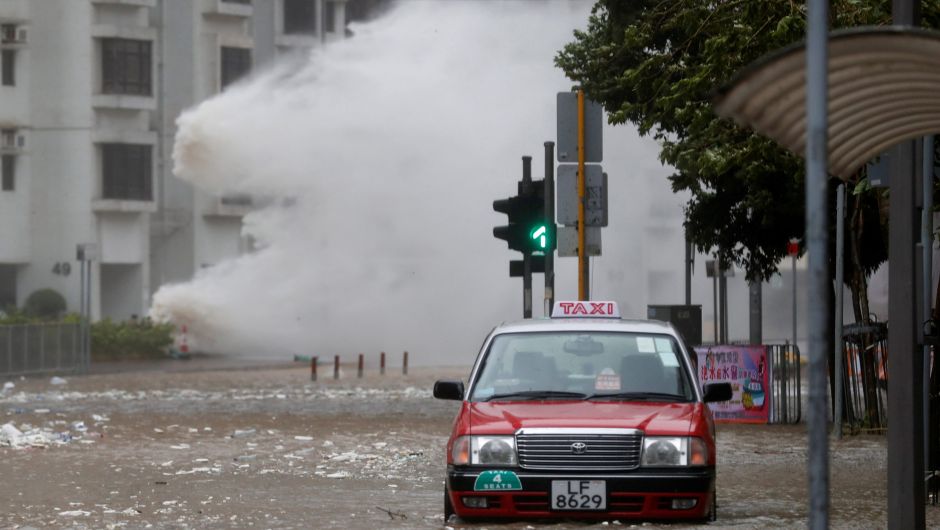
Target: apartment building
89,92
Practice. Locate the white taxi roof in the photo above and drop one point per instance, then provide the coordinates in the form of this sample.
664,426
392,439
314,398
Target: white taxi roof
585,324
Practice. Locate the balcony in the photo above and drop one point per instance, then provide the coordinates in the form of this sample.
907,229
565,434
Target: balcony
234,205
230,8
130,3
123,206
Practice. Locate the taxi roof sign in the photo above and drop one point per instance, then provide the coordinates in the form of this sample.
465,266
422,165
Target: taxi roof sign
586,309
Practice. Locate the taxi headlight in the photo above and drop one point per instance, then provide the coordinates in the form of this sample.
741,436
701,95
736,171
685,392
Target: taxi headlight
493,450
674,451
665,451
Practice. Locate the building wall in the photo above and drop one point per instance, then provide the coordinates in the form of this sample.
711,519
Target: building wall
59,109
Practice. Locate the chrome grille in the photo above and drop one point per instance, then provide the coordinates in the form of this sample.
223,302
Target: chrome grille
579,449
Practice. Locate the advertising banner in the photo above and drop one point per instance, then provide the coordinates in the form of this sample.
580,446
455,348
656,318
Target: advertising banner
746,368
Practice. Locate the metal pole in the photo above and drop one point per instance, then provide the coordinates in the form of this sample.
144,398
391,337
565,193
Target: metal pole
583,273
715,301
756,312
549,184
905,441
689,262
88,320
313,368
361,367
81,309
926,238
723,302
817,63
526,255
404,364
382,364
336,367
793,259
840,256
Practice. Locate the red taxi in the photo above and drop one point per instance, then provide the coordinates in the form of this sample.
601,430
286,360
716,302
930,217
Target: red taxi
582,416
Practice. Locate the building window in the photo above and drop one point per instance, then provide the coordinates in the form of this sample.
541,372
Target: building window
300,16
329,16
8,75
126,172
8,172
125,67
236,62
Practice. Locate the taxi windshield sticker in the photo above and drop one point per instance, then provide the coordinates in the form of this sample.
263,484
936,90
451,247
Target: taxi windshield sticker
645,345
497,480
607,380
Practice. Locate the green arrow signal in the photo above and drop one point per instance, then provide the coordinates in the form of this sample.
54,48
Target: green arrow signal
540,236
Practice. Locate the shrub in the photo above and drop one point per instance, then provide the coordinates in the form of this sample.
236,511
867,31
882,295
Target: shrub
45,304
130,340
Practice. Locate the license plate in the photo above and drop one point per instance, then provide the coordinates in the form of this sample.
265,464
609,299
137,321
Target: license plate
579,495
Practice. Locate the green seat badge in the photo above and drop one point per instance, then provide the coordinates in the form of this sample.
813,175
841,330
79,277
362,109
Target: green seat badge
497,480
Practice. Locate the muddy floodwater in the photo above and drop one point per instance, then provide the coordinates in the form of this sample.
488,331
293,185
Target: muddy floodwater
211,445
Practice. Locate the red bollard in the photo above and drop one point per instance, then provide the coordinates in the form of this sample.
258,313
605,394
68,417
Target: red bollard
336,367
361,364
382,364
404,364
313,368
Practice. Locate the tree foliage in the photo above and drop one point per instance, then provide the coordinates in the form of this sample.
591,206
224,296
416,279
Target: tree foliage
657,64
45,303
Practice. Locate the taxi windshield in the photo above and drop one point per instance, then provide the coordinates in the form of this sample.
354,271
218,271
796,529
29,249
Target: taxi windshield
583,365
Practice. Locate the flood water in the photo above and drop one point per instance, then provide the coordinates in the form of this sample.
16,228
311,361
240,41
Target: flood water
264,447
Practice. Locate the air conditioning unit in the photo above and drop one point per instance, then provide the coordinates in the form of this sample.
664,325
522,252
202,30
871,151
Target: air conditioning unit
9,140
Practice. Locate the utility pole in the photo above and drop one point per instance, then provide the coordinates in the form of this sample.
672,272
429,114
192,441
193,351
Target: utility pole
817,163
905,404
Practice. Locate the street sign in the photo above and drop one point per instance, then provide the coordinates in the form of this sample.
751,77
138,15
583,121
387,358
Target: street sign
595,208
568,241
86,252
567,129
793,247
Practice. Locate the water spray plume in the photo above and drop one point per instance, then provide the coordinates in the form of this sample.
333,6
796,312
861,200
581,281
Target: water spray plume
380,155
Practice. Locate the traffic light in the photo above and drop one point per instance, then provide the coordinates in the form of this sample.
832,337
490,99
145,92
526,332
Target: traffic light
529,230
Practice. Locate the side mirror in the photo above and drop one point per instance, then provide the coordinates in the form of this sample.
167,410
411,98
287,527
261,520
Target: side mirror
447,389
717,392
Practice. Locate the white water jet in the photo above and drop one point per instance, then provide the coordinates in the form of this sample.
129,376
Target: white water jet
382,155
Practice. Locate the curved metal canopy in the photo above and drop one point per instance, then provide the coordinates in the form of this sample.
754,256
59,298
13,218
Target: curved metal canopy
884,88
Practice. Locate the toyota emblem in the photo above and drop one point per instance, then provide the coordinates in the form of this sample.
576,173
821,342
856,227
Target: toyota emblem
579,448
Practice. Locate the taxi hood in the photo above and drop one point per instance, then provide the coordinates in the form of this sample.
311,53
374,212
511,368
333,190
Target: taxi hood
653,418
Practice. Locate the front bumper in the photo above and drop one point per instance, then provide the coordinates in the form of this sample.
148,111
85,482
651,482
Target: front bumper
641,494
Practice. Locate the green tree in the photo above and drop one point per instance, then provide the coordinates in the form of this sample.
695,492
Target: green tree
657,64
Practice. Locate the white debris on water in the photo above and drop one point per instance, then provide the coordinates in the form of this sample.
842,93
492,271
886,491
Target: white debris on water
27,436
57,381
75,513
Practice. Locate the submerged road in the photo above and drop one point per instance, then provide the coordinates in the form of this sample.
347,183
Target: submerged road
223,445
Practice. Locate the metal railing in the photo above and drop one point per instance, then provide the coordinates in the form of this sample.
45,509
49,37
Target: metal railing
33,349
785,382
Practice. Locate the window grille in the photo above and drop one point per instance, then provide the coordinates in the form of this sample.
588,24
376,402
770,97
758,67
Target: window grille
127,172
126,67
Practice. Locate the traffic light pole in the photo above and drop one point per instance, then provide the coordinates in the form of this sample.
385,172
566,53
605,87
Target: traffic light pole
526,255
549,184
583,272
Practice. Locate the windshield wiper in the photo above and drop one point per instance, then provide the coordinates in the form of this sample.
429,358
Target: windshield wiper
640,396
536,394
